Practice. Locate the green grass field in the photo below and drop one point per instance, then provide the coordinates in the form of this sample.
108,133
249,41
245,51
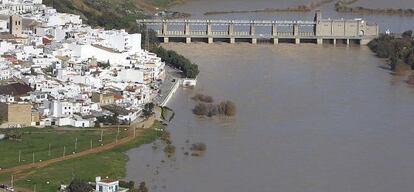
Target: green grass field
37,141
106,164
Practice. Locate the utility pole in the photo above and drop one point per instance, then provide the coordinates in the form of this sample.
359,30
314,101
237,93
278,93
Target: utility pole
76,144
49,150
12,182
117,134
135,129
101,136
20,156
64,151
33,158
91,144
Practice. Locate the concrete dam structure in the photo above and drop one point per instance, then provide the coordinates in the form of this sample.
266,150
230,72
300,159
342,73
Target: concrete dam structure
318,31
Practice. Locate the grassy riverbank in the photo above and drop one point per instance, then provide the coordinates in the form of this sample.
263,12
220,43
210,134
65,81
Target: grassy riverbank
344,6
37,141
109,163
313,4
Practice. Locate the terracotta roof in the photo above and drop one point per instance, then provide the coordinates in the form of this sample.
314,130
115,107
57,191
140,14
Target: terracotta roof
107,181
118,96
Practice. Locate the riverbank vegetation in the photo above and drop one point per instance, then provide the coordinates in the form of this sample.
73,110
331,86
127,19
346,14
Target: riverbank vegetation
399,51
198,147
203,98
206,107
344,7
172,58
49,143
299,8
109,163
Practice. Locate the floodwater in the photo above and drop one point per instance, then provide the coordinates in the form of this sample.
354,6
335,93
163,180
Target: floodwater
197,8
309,119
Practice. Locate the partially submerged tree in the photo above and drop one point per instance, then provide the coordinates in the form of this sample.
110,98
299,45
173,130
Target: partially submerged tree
142,187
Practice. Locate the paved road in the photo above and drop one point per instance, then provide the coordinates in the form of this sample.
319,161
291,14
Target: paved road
168,84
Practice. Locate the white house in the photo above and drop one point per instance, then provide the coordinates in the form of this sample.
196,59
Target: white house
6,47
108,185
5,72
75,122
131,75
3,26
121,40
59,19
61,108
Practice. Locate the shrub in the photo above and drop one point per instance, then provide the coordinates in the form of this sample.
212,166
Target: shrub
203,98
198,147
200,109
78,185
169,149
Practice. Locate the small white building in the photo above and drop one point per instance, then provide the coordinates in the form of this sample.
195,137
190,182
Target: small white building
61,108
108,185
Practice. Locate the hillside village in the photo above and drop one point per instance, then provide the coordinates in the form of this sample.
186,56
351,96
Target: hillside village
55,70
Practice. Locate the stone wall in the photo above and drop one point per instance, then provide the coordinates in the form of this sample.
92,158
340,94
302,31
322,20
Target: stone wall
15,113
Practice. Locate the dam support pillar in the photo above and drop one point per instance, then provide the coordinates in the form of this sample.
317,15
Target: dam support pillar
209,28
274,30
334,41
275,40
319,41
347,42
210,40
232,40
166,40
296,33
188,40
295,30
254,40
187,28
231,29
164,28
252,29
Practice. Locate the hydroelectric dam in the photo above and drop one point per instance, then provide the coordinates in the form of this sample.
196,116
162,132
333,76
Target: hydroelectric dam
318,31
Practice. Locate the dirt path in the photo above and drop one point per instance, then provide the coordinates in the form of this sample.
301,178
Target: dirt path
138,130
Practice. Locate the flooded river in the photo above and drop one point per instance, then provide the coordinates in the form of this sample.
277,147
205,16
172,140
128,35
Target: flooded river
309,119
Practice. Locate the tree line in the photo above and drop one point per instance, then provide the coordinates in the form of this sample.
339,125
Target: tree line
399,51
189,69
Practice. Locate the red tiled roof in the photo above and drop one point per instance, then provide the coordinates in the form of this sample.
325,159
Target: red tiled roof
107,180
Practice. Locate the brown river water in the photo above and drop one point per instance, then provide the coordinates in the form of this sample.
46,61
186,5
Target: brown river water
309,118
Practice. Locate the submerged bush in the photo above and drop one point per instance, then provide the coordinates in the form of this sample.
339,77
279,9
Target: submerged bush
169,149
203,98
198,147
